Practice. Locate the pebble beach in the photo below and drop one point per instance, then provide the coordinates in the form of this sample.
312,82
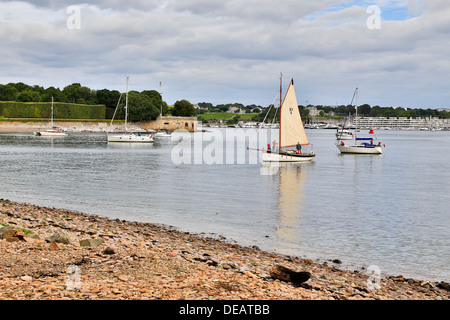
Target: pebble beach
55,254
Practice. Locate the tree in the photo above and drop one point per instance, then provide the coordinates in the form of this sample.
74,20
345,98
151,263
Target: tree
71,92
364,109
75,93
29,96
157,101
8,93
141,107
183,108
56,93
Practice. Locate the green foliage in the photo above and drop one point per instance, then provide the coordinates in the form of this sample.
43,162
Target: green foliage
43,110
77,102
183,108
8,93
141,107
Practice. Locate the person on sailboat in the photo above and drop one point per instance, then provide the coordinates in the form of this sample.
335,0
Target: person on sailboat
274,144
299,148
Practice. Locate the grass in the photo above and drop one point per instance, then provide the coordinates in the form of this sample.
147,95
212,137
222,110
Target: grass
25,231
215,116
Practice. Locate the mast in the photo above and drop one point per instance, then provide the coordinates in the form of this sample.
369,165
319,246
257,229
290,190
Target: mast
281,98
356,113
160,92
51,120
126,106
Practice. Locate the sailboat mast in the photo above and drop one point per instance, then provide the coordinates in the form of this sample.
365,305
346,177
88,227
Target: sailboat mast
51,120
281,98
126,106
356,113
160,92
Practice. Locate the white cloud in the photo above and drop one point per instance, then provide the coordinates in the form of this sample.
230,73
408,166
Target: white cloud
233,51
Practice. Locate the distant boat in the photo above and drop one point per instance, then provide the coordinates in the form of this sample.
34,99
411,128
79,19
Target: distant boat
292,134
128,136
53,131
344,134
360,145
163,133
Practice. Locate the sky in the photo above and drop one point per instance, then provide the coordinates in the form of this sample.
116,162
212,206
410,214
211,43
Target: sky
396,52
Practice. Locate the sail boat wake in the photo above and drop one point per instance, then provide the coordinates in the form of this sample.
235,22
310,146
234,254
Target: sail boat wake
292,136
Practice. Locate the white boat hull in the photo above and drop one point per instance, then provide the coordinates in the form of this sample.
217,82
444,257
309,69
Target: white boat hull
344,136
130,138
286,157
163,135
359,149
49,134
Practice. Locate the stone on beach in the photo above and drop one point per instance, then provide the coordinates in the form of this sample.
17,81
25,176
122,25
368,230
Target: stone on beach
59,237
91,242
147,261
288,275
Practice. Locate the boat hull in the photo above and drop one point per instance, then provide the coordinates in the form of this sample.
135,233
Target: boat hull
49,134
269,156
163,135
130,138
356,149
344,136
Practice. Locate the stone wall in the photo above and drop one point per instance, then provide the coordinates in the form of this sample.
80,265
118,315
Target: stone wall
171,123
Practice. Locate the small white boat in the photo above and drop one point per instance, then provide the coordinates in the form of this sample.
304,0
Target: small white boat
53,131
292,134
365,147
163,133
344,134
360,145
128,136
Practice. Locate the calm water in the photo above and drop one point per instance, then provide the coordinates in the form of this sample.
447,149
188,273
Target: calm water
391,210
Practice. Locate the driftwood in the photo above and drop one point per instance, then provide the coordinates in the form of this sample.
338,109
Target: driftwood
288,275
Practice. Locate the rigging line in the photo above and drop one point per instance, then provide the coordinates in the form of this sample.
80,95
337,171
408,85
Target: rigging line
260,125
348,115
118,102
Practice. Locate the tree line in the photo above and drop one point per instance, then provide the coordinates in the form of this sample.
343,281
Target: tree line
148,104
145,105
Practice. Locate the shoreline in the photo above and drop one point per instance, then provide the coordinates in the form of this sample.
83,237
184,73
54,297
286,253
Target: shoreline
112,259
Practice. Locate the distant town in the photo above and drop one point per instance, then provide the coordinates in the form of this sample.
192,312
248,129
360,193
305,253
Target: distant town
329,117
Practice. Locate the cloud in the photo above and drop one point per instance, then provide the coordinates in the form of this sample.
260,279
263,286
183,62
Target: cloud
233,51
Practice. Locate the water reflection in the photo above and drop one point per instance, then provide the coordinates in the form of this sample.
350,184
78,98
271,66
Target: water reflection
290,199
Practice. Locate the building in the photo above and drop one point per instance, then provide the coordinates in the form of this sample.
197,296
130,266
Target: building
171,123
401,123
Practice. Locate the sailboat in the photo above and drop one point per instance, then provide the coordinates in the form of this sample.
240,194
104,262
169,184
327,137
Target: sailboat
292,134
162,133
360,145
128,136
53,131
344,134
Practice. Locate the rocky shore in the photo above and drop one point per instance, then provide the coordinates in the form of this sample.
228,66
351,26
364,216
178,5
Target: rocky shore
54,254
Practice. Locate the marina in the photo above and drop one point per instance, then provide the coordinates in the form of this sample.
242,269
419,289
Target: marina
388,210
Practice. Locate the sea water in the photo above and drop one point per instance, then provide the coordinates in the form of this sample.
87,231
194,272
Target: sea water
389,211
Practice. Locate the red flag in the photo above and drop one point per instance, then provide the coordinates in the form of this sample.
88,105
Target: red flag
371,131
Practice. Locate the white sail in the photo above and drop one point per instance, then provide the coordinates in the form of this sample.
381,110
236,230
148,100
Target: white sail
292,131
